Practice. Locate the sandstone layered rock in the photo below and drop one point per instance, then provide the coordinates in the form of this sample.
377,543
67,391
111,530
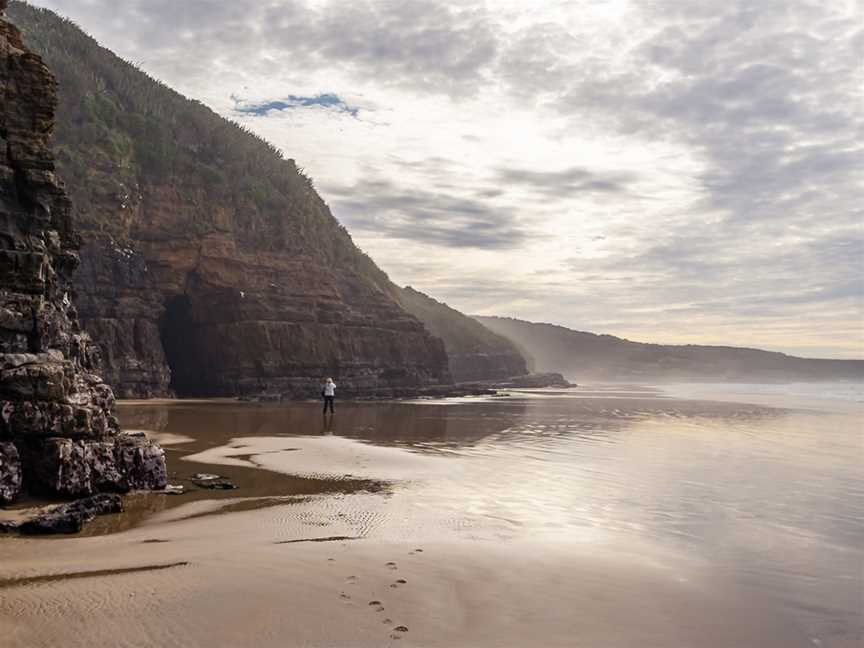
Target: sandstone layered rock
57,433
210,264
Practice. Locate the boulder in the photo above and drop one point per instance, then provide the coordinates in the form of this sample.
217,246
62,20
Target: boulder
70,517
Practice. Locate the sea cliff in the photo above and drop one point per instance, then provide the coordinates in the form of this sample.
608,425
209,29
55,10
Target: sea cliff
58,435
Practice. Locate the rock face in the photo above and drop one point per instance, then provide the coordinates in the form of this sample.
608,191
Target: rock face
210,264
475,353
57,433
10,472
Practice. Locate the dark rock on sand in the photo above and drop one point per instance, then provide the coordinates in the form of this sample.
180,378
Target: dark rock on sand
212,482
55,410
80,467
70,517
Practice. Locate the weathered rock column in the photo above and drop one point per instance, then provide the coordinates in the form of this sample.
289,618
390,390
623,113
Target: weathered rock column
57,433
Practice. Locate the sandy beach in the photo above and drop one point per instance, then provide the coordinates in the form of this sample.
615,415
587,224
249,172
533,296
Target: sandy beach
440,524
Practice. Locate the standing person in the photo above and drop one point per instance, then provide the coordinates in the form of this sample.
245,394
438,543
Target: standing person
328,391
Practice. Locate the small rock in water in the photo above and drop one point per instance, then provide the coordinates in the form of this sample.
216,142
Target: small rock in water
213,482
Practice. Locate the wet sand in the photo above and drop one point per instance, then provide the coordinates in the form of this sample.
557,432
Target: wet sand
224,581
474,523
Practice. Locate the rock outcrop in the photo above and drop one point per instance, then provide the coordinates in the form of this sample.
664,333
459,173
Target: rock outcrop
474,352
211,266
57,433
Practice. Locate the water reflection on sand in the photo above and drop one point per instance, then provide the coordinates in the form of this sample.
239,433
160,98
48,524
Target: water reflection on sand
766,497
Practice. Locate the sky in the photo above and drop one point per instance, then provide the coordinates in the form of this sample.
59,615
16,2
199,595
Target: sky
664,170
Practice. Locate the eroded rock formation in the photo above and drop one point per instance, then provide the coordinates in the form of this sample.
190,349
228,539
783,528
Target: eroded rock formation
57,433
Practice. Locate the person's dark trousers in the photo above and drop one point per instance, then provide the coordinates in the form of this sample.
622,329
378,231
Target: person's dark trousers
328,402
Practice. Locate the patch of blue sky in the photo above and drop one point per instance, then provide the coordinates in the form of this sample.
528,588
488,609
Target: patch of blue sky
324,100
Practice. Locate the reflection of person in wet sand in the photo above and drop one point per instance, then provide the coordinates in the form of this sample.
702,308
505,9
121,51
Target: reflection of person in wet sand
328,392
327,426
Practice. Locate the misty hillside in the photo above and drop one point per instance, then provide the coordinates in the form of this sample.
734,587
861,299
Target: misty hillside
474,352
586,356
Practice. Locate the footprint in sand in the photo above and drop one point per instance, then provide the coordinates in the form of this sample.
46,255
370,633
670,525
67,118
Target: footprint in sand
400,629
419,550
344,596
374,602
394,585
387,621
391,565
352,580
395,636
401,581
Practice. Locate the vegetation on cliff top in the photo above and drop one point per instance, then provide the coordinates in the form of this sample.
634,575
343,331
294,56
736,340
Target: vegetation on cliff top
124,138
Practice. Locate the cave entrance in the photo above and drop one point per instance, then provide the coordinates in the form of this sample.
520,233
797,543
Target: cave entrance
177,332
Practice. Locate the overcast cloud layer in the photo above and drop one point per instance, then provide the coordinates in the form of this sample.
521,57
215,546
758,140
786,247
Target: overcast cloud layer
683,172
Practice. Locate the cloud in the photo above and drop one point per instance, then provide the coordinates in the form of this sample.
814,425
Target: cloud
567,182
766,93
421,44
381,208
262,108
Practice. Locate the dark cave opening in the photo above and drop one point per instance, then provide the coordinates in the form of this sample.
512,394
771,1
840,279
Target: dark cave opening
177,331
